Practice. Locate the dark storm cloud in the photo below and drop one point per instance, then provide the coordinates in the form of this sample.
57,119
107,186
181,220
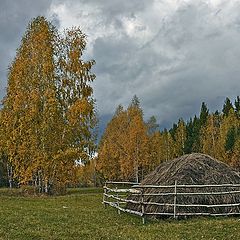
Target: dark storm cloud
172,54
14,17
190,55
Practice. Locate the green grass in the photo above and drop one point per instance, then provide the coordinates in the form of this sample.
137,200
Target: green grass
80,215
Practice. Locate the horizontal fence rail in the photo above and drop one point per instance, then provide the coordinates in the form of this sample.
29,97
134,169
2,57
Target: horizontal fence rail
185,186
119,194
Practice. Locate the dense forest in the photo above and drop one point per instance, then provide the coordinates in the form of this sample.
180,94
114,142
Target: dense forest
48,122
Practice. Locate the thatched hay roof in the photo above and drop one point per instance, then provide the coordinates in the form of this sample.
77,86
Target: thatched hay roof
199,169
192,168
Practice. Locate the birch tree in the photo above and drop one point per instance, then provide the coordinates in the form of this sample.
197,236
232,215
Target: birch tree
48,112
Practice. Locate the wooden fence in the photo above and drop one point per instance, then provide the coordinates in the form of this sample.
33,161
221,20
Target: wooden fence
116,194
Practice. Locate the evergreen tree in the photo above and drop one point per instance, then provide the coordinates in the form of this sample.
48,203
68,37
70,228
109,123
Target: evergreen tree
230,139
135,103
189,140
173,130
227,107
235,162
204,113
192,143
228,122
237,106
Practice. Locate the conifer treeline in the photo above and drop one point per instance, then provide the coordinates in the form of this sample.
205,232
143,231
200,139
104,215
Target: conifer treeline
130,148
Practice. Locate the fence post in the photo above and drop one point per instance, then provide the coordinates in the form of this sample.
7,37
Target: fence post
104,192
175,200
143,206
118,202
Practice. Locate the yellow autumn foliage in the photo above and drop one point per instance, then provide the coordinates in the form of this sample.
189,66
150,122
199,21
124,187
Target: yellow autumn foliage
48,114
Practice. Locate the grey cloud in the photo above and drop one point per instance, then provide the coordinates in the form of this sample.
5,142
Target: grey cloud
111,8
192,57
172,54
14,17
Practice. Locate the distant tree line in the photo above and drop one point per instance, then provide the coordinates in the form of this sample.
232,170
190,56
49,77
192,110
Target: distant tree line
130,148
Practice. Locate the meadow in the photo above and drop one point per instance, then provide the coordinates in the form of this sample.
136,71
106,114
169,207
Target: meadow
81,215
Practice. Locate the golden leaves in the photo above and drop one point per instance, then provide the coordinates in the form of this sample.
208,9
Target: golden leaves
123,150
48,111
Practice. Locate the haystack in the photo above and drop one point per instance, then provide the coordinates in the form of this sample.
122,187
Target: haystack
192,169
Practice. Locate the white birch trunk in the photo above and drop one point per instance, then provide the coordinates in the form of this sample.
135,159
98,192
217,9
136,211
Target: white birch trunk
10,172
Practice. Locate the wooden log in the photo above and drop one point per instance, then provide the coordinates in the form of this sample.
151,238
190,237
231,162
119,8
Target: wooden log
118,202
211,193
209,214
175,200
129,190
126,183
104,195
186,186
159,213
191,193
143,206
159,204
123,199
124,210
209,206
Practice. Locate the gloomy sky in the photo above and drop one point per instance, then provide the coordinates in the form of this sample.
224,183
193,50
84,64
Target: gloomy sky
173,54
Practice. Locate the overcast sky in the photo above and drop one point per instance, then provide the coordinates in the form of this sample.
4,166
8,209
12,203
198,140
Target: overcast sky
173,54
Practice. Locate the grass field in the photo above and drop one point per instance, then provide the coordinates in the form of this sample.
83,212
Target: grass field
80,215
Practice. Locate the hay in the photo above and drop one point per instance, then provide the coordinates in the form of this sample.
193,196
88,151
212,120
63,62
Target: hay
192,169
